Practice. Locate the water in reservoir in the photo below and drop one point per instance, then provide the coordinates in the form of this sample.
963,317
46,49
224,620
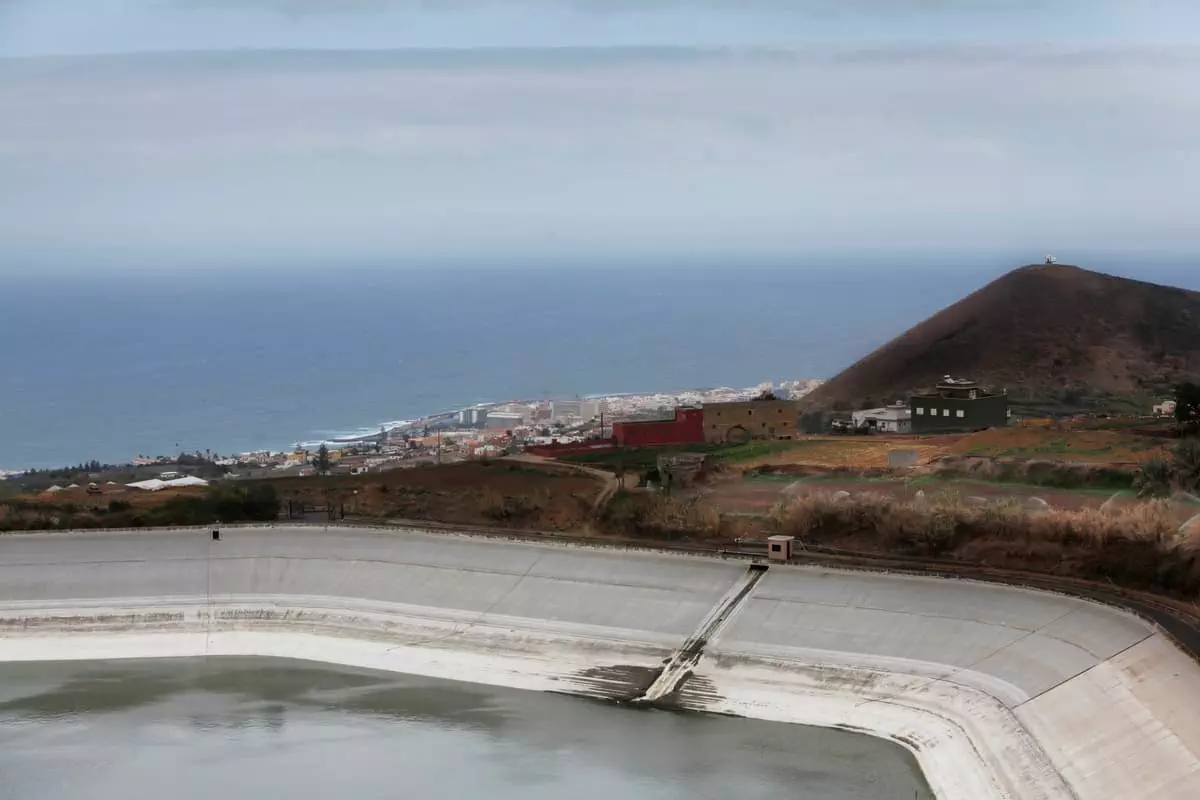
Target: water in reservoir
232,728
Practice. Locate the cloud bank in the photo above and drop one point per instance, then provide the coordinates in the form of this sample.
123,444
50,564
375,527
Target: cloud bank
469,155
52,27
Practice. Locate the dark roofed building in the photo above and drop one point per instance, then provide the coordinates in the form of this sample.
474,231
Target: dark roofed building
958,404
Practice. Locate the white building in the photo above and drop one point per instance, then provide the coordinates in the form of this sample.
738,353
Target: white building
475,417
593,408
1164,409
890,419
504,420
561,410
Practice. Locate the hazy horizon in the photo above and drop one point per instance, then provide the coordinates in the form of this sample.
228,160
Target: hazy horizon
268,132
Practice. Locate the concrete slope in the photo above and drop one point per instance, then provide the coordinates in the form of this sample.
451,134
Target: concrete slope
1016,669
999,692
642,597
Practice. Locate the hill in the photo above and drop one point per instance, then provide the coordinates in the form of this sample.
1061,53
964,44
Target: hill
1057,337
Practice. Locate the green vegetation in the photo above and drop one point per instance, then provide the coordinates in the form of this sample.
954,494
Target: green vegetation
1047,474
1187,404
36,480
1153,479
243,503
321,462
1158,478
641,459
1052,402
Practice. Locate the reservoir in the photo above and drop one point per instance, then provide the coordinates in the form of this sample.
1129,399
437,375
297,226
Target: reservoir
197,729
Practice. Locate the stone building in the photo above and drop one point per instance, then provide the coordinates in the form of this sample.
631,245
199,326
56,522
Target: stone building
750,419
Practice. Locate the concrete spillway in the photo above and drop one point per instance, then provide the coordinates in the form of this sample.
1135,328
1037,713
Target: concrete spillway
999,692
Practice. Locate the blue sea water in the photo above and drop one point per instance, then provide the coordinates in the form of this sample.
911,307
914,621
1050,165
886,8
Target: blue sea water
110,366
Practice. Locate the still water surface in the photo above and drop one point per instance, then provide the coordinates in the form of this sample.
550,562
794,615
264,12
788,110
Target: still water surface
225,728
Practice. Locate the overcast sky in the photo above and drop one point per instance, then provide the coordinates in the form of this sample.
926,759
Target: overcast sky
289,129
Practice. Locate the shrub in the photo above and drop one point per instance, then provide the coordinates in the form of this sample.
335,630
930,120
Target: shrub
1185,463
492,504
1153,479
1139,546
660,516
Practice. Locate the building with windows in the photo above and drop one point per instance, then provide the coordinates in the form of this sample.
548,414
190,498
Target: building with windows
750,419
473,417
958,404
889,419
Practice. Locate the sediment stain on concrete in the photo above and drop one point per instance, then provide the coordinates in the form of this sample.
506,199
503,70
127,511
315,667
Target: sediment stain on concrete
619,682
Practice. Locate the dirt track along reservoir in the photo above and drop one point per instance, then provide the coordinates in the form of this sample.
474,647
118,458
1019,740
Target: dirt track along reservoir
999,692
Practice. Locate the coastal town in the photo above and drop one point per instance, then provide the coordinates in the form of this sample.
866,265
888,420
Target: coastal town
493,430
473,432
555,428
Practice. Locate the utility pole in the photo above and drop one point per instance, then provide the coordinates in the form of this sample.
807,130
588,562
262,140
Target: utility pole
439,445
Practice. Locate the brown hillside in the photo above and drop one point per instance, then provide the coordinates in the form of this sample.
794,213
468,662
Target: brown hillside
1047,334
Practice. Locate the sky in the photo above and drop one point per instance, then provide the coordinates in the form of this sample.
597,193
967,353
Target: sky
175,133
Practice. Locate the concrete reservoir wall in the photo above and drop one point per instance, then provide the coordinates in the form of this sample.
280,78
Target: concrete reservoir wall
999,692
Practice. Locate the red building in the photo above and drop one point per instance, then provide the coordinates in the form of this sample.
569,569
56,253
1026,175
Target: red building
557,448
686,428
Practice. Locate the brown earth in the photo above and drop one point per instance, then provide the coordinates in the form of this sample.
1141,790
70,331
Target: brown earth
136,498
738,496
1047,444
850,452
512,493
1038,332
517,494
1030,442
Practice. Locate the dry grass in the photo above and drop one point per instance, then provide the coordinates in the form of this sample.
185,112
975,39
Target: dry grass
658,515
1139,546
849,452
1056,444
1152,522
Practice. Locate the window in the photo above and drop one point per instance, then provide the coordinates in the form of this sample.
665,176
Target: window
960,413
920,411
945,412
776,548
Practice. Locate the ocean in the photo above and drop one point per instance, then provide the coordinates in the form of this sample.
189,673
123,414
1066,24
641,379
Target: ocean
112,366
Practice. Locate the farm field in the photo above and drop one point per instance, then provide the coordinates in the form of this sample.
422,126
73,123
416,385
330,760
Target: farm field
1048,444
759,495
